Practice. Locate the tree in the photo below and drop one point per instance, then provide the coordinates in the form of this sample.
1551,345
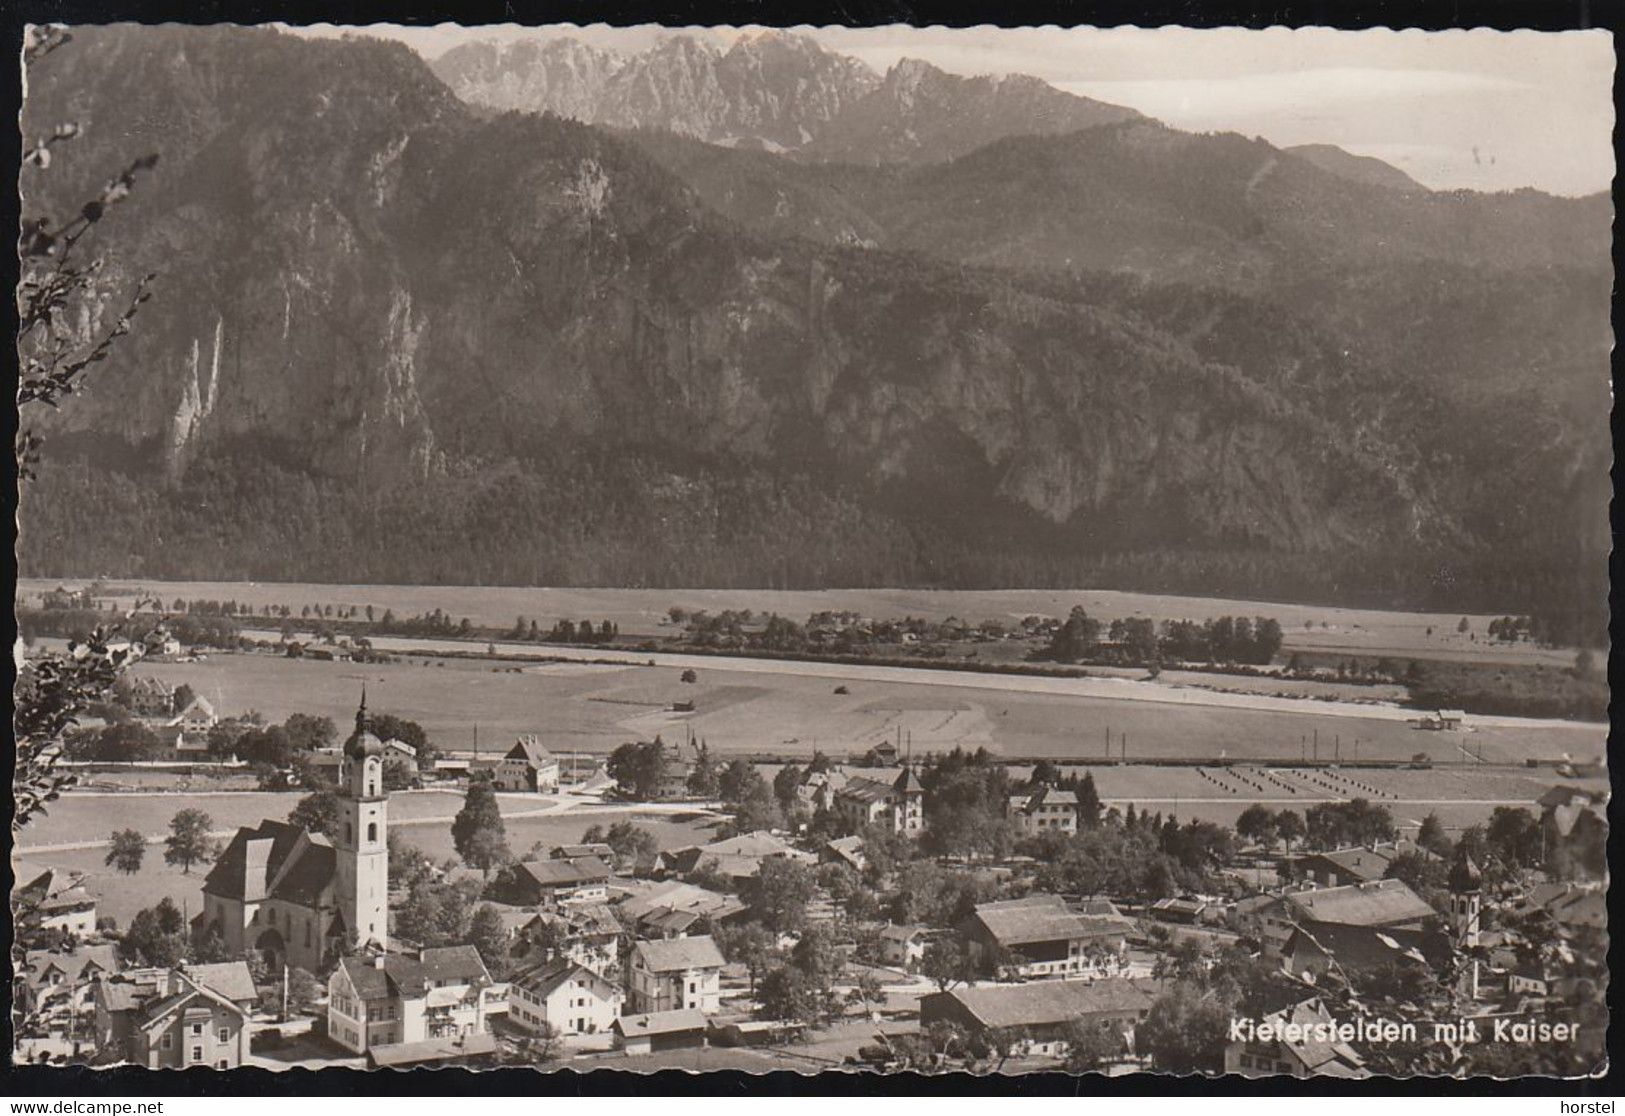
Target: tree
780,892
1431,836
631,844
398,773
308,734
478,832
129,742
408,864
638,769
736,780
156,936
786,994
947,962
689,676
487,935
318,812
436,914
749,945
702,780
1185,1031
1092,1046
302,990
816,956
126,848
189,841
785,784
1258,824
866,990
1289,827
182,698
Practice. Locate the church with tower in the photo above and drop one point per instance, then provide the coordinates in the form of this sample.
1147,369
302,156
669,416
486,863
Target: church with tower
307,899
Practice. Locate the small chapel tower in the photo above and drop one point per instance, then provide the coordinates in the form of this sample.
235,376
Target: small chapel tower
362,840
1466,899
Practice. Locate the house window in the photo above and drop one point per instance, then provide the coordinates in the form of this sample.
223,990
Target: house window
225,1034
197,1053
197,1028
169,1040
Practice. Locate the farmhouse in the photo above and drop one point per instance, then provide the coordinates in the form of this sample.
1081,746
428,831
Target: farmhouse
300,898
572,998
1380,904
197,718
739,858
149,697
525,767
1358,864
685,973
1040,936
1044,1011
902,947
50,900
560,882
382,1000
1314,949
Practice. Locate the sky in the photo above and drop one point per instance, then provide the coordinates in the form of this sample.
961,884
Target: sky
1480,110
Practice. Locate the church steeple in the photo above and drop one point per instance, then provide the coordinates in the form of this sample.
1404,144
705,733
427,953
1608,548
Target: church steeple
362,843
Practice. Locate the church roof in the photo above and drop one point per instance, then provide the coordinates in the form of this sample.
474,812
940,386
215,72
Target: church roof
362,741
255,865
1464,875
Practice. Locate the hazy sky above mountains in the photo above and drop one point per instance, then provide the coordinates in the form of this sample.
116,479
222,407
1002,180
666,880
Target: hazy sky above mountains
1483,110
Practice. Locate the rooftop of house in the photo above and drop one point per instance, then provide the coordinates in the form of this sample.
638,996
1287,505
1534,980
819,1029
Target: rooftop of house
81,963
1377,903
1043,918
541,981
570,852
1326,1059
1364,948
399,975
230,979
678,955
530,750
661,1023
566,873
1048,1002
402,1054
676,895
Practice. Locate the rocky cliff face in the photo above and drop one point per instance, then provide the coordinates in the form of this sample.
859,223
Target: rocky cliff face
920,114
396,304
768,89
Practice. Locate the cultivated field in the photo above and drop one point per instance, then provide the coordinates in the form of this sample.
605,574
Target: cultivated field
792,708
640,611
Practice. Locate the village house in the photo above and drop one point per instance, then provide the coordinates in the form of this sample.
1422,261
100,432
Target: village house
1045,810
525,767
681,974
1040,936
1044,1011
903,947
59,982
898,805
146,696
1357,864
588,934
571,852
384,999
197,718
557,883
1380,904
817,789
305,899
654,1032
68,911
571,998
189,1024
1352,950
1294,1053
844,850
738,858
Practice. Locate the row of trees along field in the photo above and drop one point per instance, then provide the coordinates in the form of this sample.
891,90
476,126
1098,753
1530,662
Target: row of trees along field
1140,641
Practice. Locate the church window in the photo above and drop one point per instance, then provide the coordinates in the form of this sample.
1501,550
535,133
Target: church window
349,833
372,831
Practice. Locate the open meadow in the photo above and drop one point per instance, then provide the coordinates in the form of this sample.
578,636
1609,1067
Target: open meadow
793,708
1365,632
422,818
